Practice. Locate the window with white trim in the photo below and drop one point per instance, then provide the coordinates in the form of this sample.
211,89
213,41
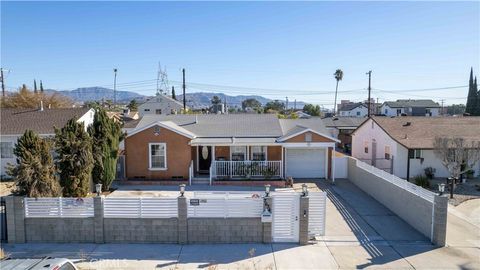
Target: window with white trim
158,156
239,153
308,137
259,153
365,146
387,152
415,153
6,149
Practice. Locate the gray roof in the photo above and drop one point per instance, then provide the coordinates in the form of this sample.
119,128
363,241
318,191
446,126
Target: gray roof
236,125
166,97
403,103
16,121
339,122
350,106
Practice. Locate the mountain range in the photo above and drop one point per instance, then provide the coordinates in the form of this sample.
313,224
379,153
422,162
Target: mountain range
194,100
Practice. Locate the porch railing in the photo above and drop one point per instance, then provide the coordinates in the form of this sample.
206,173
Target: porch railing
246,169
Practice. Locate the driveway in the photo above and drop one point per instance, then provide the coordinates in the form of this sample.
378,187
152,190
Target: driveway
360,233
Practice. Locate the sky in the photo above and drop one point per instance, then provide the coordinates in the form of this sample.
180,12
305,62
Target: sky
273,49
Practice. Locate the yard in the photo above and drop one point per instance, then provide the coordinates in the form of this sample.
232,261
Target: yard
462,192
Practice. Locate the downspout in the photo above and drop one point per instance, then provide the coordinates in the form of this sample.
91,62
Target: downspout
408,165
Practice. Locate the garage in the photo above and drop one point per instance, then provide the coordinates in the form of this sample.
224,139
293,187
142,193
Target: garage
305,163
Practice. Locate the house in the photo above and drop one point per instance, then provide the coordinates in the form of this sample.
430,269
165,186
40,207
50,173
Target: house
404,145
353,109
410,107
302,114
228,146
341,128
14,122
160,104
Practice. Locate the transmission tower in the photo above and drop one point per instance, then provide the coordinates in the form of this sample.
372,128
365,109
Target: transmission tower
162,81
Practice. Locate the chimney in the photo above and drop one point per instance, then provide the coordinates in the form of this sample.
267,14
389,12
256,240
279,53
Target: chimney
41,105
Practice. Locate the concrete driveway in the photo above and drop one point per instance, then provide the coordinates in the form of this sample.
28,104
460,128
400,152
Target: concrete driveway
360,233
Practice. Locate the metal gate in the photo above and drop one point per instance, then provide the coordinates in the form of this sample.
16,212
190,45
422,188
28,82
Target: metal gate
316,213
285,220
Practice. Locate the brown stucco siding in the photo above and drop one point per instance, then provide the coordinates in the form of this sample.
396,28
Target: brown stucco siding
315,138
222,152
137,154
274,153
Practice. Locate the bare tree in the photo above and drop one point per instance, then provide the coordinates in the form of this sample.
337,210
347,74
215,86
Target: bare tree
458,155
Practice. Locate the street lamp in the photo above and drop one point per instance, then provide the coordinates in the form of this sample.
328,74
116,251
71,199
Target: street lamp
98,189
267,190
304,190
441,189
182,190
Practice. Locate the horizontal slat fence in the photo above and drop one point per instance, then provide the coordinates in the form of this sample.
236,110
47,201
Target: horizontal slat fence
226,205
58,207
141,207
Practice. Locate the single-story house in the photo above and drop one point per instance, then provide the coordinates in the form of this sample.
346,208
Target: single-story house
410,107
160,104
233,146
353,109
404,145
14,122
342,128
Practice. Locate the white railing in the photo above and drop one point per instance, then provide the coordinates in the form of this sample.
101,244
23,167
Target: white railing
247,168
141,207
190,173
225,205
58,207
417,190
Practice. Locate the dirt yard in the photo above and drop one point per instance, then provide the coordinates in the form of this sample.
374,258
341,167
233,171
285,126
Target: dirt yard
462,192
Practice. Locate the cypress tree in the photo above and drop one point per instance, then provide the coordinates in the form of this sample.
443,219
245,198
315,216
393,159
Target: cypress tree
106,135
472,96
34,173
74,160
41,86
35,86
173,93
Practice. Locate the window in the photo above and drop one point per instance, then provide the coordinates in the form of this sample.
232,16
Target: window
358,113
238,153
6,149
387,152
259,153
415,153
365,146
399,111
308,137
158,111
146,110
158,156
386,111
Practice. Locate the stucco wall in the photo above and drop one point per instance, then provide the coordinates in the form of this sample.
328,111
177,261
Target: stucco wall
361,110
137,154
164,104
301,138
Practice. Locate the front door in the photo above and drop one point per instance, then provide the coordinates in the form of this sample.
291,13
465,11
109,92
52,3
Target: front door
204,158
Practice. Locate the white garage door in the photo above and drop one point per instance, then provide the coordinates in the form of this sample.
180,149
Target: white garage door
305,163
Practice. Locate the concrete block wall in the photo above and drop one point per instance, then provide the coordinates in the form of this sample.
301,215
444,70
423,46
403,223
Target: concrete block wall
140,230
413,209
59,230
225,230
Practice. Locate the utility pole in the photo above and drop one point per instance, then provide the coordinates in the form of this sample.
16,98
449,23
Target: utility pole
369,90
295,105
184,98
115,88
3,82
286,103
443,100
377,109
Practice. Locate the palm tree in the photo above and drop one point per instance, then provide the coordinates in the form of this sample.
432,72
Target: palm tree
338,76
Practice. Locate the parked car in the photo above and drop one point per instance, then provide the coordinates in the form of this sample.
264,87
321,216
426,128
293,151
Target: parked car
33,264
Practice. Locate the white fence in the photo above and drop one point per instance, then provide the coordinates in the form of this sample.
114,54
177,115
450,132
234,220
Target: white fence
341,167
417,190
317,206
225,204
267,169
141,207
59,207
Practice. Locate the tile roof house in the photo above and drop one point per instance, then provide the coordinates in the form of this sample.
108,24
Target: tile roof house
220,148
160,104
342,128
404,145
410,107
14,122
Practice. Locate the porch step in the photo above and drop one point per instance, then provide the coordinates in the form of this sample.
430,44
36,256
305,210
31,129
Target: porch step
200,181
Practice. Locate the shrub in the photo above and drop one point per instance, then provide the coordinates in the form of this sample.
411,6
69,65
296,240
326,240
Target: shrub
430,172
422,181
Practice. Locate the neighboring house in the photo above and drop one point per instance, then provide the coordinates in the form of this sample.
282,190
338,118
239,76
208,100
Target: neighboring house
160,104
219,108
228,146
302,115
14,122
404,145
354,109
410,107
342,127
